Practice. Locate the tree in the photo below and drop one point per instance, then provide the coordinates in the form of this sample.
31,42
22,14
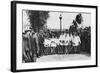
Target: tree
38,19
86,40
78,20
84,33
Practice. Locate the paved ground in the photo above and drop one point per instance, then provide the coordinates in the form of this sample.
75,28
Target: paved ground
63,57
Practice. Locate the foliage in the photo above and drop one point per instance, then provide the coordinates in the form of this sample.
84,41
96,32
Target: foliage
84,33
85,36
38,19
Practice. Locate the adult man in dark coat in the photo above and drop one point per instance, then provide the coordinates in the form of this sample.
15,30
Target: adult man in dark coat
32,46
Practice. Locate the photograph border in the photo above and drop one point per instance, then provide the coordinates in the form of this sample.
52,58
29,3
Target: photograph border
13,34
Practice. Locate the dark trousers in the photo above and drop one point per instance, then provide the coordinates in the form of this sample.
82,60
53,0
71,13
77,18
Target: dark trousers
76,49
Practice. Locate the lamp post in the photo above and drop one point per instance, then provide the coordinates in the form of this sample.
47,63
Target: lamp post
60,22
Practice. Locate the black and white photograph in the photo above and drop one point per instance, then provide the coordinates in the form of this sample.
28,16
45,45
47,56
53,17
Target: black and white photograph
56,36
53,36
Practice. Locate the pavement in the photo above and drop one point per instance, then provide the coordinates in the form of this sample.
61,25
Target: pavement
63,57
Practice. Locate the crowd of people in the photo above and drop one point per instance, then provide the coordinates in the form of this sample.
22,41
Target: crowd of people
65,42
33,47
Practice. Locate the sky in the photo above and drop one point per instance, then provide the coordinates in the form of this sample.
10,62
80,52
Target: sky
53,22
